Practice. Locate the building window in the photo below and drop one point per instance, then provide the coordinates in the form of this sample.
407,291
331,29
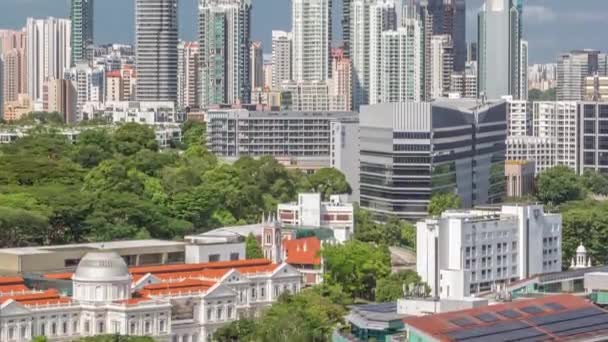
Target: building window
229,312
42,329
11,333
234,256
147,327
53,329
75,327
132,329
23,332
161,325
87,327
214,257
219,313
262,292
209,314
100,328
65,328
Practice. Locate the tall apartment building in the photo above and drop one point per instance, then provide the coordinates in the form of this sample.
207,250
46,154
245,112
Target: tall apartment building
312,96
281,58
465,83
449,17
156,39
346,27
523,70
596,88
61,96
401,64
268,66
12,47
48,52
81,15
188,74
300,140
442,65
312,35
257,65
1,87
369,19
89,83
499,49
519,114
224,31
413,150
340,84
593,132
554,137
113,87
476,250
542,76
572,69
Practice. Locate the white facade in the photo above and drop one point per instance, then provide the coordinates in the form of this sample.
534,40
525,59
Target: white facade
402,64
558,120
520,117
281,58
473,251
89,83
187,75
311,20
344,152
312,96
442,65
48,52
310,211
529,148
168,307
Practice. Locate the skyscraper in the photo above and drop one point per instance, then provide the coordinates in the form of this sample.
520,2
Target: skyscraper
311,39
442,65
346,27
572,68
81,14
281,58
224,31
187,75
401,64
369,19
48,52
12,46
449,17
499,53
257,65
340,85
523,70
1,87
156,49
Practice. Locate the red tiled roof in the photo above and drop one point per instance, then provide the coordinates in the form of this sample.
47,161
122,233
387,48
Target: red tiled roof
165,269
34,302
440,325
48,295
59,276
303,251
186,286
13,288
11,280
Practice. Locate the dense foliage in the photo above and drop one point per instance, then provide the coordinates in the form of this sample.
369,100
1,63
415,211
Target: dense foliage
442,202
393,287
252,248
305,317
558,185
393,232
117,184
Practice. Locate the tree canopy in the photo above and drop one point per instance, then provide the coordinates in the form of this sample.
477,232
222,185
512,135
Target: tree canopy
116,184
252,248
442,202
558,185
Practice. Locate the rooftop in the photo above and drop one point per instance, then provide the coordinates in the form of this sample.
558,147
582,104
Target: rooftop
303,251
92,246
562,317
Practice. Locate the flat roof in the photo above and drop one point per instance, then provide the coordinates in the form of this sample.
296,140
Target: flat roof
152,243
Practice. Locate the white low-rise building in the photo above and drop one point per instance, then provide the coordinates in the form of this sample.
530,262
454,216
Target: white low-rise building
311,212
473,251
181,303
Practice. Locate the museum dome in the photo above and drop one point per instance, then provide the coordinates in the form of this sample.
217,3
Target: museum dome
102,266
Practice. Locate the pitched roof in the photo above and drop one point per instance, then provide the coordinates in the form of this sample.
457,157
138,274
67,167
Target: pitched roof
560,317
185,286
303,251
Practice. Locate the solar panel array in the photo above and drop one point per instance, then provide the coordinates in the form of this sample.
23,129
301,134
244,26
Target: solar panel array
462,321
509,313
487,317
554,306
532,310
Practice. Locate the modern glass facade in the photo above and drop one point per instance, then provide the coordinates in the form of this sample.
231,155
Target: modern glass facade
81,14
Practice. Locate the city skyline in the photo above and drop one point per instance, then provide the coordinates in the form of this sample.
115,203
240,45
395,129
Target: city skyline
551,27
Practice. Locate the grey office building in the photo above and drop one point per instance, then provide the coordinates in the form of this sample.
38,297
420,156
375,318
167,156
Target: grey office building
449,17
81,14
301,140
411,151
593,142
156,43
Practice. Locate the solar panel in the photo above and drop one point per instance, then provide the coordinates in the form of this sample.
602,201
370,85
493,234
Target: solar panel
532,310
516,328
462,321
380,308
566,326
566,316
584,330
554,306
509,313
487,318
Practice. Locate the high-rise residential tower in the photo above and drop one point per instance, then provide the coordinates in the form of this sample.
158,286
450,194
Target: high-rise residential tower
81,14
224,31
48,52
311,31
281,58
449,17
12,46
257,65
499,53
401,64
442,65
1,87
156,40
187,75
346,27
572,68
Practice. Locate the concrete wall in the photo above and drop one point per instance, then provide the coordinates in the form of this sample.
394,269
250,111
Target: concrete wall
200,253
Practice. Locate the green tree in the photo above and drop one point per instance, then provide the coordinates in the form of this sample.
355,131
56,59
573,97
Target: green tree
194,133
329,181
442,202
585,222
40,339
539,95
242,330
391,288
356,266
252,248
131,138
558,185
595,182
21,227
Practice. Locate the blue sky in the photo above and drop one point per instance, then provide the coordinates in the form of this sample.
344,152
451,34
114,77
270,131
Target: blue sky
551,26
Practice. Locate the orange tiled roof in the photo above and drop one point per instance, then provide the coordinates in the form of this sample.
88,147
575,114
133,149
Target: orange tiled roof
51,294
11,280
186,286
61,300
59,276
13,288
165,269
303,251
